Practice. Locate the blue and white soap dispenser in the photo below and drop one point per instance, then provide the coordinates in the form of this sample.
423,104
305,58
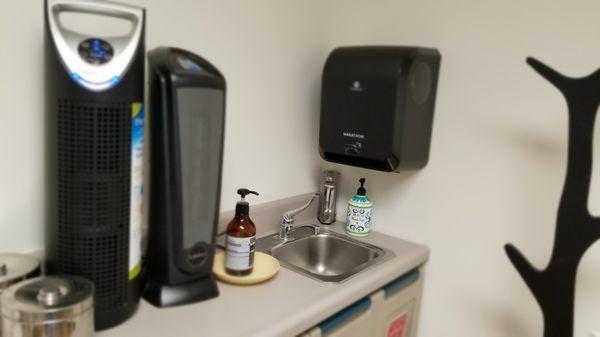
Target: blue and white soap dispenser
359,212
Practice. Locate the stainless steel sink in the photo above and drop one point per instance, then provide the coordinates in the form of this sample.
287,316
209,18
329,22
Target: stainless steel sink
326,256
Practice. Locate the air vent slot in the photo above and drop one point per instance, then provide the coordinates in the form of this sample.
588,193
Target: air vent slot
373,164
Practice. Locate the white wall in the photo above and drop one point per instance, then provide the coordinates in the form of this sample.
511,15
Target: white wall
271,53
497,161
498,154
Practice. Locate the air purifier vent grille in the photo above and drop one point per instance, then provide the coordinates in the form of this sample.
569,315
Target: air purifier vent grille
94,151
95,257
94,138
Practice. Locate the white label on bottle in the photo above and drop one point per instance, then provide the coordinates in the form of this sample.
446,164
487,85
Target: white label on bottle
240,253
359,220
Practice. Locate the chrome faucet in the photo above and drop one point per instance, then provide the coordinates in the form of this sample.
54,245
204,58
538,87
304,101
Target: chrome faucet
287,221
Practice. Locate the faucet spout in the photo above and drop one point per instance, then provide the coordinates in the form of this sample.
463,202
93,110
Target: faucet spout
287,220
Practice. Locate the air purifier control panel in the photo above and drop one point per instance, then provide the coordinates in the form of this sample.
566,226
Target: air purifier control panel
96,51
187,64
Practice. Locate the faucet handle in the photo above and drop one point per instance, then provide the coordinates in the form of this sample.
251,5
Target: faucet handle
315,228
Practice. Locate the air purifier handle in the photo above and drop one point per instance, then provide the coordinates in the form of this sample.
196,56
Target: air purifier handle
133,14
130,13
93,76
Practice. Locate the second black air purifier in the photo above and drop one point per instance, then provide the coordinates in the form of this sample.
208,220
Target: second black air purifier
377,106
187,116
94,148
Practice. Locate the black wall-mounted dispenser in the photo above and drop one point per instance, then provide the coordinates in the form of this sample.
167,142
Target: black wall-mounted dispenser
187,116
377,106
94,153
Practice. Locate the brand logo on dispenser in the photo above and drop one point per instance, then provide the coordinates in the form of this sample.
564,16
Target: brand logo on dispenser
354,135
353,148
356,87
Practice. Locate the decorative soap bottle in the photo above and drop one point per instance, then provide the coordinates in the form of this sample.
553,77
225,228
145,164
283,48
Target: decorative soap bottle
359,212
241,238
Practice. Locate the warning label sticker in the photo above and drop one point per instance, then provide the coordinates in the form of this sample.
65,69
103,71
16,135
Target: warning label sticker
398,326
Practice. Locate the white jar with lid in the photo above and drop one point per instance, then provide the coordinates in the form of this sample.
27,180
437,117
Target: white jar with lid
48,307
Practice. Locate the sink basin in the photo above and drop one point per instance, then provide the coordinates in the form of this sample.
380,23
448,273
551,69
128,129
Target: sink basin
326,256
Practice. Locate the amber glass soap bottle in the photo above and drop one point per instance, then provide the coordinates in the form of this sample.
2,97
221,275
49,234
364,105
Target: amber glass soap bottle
241,238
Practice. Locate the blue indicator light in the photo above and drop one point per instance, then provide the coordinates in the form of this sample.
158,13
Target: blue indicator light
115,79
76,76
194,67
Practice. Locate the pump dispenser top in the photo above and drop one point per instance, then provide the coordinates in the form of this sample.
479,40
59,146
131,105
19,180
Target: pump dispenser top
242,206
244,192
361,190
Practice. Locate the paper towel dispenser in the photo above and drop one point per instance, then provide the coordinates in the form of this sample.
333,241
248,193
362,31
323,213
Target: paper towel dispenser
377,106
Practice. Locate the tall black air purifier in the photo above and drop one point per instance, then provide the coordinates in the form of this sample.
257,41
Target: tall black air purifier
187,119
94,154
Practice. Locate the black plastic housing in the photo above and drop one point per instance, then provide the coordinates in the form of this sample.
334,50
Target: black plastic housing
377,106
178,274
88,175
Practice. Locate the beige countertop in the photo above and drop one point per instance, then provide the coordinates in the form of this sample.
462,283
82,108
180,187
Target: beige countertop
284,306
